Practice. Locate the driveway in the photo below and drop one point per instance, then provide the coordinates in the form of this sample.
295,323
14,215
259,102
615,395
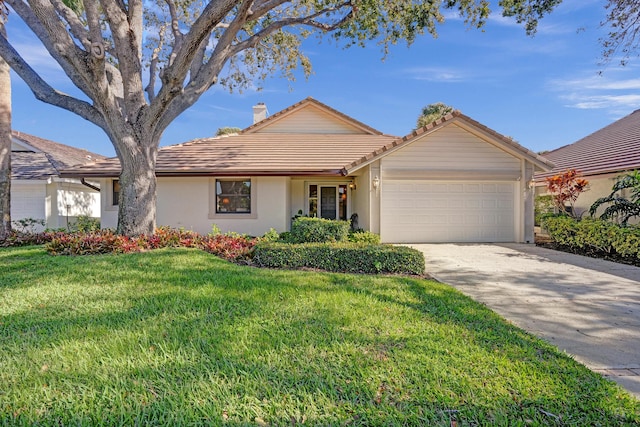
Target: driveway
587,307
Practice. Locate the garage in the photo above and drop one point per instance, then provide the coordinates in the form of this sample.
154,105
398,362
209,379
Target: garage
448,211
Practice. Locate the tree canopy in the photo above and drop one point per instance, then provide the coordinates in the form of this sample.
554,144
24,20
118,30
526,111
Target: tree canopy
227,130
431,113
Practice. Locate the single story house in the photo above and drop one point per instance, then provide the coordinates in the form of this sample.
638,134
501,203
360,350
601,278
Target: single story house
600,158
454,180
37,190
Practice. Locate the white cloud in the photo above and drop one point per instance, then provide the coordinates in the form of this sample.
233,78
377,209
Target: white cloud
612,92
37,56
438,74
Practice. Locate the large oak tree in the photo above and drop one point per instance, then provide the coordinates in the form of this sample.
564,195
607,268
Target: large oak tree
142,63
5,139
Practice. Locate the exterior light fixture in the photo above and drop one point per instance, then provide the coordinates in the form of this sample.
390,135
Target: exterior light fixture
375,182
352,185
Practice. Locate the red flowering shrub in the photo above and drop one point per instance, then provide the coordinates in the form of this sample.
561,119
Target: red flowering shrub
19,238
167,237
228,246
96,242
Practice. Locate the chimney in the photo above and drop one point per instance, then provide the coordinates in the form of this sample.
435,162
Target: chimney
259,112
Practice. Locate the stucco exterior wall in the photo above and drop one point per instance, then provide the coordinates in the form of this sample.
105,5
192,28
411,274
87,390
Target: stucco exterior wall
68,201
599,186
48,200
186,203
28,200
361,198
108,211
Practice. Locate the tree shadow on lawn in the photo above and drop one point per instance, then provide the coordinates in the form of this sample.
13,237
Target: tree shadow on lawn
209,342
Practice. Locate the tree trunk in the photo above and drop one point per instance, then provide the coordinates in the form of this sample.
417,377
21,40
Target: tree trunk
137,203
5,147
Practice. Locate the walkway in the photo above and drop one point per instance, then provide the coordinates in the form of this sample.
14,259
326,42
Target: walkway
587,307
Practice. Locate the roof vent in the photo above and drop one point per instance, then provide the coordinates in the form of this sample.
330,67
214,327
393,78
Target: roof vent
259,112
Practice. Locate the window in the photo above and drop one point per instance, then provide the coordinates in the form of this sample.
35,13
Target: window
233,196
115,192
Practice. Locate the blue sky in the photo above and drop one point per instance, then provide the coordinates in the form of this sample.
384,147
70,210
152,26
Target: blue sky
544,91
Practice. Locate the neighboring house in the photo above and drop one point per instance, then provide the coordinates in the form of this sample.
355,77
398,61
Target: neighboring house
38,192
454,180
600,157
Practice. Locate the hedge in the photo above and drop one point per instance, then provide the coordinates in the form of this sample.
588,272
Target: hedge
308,230
340,257
594,235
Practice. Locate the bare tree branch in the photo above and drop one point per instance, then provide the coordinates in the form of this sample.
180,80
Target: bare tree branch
75,26
309,21
42,19
175,27
43,91
174,75
153,65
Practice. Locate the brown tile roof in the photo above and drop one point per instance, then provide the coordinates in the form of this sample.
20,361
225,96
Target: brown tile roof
542,162
50,159
253,154
297,106
282,154
614,148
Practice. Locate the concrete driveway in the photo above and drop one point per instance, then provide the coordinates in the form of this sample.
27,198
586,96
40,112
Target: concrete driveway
587,307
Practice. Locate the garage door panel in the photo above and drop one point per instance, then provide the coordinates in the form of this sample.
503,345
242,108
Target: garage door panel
439,211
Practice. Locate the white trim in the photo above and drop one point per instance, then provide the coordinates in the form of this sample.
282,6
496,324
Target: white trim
336,185
109,206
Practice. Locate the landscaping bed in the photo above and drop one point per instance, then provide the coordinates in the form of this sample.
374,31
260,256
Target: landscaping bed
593,238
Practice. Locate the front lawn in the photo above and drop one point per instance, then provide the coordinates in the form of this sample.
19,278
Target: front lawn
180,337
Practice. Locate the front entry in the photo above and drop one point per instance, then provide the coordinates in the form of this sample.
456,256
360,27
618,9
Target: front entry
328,201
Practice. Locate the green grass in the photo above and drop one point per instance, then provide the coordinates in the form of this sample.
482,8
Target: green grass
179,337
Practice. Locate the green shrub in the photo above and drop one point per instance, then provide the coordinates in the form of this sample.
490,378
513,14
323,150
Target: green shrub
86,224
318,230
594,235
341,257
543,206
361,236
270,236
627,242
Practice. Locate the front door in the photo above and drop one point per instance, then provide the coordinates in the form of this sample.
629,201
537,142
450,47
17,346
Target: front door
328,202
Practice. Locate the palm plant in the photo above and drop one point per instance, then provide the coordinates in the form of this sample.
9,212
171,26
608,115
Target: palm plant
621,209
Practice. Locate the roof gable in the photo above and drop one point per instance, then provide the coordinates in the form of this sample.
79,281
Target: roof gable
310,117
456,118
38,158
614,148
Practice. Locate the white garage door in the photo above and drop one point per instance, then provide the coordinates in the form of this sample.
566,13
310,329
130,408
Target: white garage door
447,211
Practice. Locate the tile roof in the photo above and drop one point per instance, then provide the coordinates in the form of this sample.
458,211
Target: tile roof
614,148
49,159
253,154
286,154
